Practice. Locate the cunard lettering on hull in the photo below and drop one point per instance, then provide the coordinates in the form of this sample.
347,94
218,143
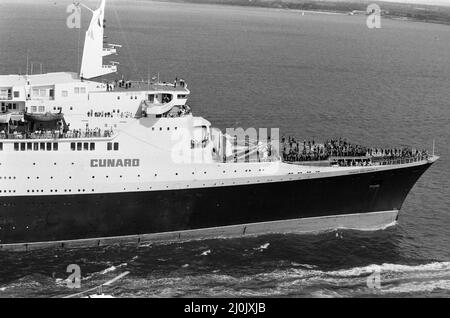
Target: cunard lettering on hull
111,163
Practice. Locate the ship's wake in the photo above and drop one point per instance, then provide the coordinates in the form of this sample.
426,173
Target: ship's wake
303,280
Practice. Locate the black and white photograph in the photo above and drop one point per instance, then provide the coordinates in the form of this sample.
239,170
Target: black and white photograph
225,153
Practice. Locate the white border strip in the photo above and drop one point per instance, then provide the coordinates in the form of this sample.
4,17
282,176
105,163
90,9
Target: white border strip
370,221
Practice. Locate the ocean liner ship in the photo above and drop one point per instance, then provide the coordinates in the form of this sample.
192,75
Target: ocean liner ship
87,162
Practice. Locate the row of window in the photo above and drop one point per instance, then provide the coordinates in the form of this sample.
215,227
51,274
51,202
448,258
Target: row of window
160,128
111,146
34,146
35,109
49,146
131,97
82,146
5,93
6,106
42,92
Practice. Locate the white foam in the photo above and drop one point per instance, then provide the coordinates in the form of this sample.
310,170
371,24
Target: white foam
206,253
109,269
112,268
263,247
392,268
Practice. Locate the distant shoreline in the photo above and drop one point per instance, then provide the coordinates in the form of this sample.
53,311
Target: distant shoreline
395,11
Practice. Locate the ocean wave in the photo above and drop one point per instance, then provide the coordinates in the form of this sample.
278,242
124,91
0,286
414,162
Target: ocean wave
392,268
298,280
308,281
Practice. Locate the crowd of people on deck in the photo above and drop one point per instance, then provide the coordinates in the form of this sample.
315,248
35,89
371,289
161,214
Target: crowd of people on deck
294,150
112,114
126,84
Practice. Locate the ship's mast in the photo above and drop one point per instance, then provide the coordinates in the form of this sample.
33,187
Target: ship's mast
93,51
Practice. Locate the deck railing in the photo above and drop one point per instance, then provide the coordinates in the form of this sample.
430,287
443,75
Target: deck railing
377,161
57,135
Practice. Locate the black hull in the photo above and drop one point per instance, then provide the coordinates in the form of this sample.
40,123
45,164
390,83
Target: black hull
68,217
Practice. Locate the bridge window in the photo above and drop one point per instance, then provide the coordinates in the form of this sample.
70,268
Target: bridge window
49,146
86,146
29,146
35,146
55,146
72,146
22,146
1,146
79,145
109,146
116,146
92,146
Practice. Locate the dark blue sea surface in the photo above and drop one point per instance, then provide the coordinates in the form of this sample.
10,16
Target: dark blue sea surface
313,76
